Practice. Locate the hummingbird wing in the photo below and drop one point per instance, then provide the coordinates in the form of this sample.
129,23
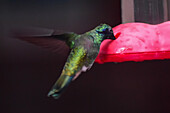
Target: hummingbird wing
50,39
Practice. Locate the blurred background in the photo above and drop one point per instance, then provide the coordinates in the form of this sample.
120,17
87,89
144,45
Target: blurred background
28,71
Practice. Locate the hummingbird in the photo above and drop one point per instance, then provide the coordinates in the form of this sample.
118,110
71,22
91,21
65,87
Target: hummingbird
84,49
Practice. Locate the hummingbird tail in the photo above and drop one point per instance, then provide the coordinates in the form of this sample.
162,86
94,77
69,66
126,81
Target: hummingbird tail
59,86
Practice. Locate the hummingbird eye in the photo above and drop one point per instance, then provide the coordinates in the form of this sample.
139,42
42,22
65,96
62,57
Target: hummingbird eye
105,31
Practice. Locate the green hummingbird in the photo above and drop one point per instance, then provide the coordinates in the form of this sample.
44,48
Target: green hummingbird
84,50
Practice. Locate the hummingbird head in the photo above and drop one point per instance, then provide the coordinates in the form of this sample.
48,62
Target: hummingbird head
106,31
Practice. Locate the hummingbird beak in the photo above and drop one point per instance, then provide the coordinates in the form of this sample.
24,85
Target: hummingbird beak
111,36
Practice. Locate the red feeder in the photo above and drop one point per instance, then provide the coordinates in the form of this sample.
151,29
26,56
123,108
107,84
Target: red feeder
137,42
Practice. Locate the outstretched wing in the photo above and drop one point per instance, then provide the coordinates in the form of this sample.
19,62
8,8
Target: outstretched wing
50,39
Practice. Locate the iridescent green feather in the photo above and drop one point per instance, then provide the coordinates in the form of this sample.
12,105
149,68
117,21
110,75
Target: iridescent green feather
75,61
95,33
72,66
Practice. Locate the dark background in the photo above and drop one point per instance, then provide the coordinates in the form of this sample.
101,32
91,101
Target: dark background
28,72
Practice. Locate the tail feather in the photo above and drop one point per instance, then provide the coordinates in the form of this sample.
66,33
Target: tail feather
59,86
